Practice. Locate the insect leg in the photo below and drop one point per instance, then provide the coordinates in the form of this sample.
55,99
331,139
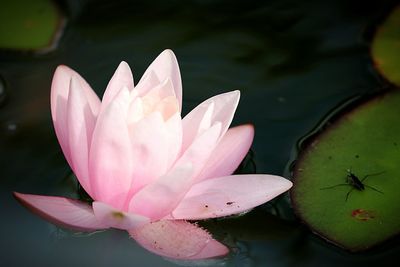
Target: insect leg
372,174
348,193
329,187
370,187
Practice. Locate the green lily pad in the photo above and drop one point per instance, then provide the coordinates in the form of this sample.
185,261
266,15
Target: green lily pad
29,25
386,47
365,140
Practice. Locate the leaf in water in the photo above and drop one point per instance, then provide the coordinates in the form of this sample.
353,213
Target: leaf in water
30,25
386,47
347,177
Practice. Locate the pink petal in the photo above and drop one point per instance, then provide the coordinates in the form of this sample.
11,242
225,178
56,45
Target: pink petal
229,195
200,150
166,66
178,240
149,145
200,124
111,217
160,197
147,83
229,152
162,90
223,109
59,98
110,162
64,212
121,78
174,130
81,121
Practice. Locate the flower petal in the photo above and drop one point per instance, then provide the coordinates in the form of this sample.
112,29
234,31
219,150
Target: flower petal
81,121
229,152
110,162
200,150
223,109
148,81
160,197
178,240
59,98
67,213
149,144
229,195
166,66
116,218
121,78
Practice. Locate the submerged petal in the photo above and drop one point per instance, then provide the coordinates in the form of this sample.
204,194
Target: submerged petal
178,240
64,212
229,195
116,218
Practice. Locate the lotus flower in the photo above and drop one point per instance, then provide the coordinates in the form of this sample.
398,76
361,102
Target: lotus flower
148,170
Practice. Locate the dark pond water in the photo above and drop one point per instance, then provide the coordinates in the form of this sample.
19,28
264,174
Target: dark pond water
294,62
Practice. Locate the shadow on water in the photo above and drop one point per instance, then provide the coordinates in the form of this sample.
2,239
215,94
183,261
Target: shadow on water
293,62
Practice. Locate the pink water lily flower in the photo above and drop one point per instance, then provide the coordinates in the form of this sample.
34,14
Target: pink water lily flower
147,169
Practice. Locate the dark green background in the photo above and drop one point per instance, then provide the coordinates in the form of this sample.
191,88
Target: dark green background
294,62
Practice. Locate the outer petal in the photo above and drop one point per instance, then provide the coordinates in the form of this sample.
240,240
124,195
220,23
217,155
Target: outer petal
58,100
68,213
160,197
200,150
229,195
110,162
121,78
229,153
179,240
116,218
81,121
166,66
224,106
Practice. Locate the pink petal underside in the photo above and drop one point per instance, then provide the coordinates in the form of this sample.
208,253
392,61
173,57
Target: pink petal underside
160,197
178,240
229,152
166,66
229,195
81,121
121,78
116,218
110,158
222,109
64,212
58,102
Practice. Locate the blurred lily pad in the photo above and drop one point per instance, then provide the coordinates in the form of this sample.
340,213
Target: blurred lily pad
30,25
386,47
347,177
